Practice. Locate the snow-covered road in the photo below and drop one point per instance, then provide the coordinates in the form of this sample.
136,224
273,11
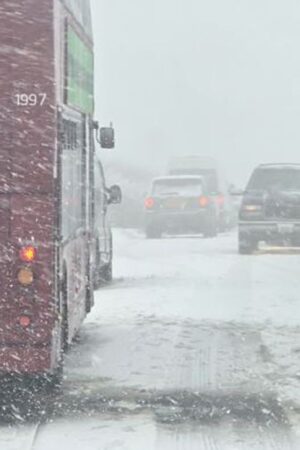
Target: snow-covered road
192,347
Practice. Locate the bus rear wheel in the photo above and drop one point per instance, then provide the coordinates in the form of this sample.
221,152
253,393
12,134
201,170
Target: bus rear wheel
55,379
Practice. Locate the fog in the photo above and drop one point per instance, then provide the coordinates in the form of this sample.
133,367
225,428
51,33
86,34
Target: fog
200,77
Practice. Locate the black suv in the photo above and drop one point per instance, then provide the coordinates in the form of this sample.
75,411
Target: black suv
270,209
180,204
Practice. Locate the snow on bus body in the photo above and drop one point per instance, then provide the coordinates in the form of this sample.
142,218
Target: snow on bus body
44,194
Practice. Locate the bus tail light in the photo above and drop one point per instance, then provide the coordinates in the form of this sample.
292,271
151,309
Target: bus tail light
24,321
25,276
27,254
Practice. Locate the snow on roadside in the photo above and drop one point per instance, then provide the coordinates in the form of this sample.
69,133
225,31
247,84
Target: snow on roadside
191,313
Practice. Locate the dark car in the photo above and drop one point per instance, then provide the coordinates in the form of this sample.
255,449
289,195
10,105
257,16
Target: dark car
180,204
270,209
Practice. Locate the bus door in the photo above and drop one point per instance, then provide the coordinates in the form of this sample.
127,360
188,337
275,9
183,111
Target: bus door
73,212
100,214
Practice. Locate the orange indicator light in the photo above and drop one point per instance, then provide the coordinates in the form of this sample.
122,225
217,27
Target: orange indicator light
28,254
25,276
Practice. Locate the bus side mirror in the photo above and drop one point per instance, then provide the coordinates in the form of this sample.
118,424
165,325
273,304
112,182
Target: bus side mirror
114,195
107,137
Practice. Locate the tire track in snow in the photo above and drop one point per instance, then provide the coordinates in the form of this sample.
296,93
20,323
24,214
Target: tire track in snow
226,435
219,358
209,442
187,439
278,441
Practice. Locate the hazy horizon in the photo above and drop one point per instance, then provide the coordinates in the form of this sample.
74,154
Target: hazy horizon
198,77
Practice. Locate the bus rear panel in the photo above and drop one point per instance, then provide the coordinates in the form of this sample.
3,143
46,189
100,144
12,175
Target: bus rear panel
28,204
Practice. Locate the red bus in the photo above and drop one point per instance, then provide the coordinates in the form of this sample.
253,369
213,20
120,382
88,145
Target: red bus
55,243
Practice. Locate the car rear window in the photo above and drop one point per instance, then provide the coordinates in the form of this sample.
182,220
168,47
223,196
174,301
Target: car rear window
184,187
287,179
210,176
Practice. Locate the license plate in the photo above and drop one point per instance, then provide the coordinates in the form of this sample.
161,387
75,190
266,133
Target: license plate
174,203
285,228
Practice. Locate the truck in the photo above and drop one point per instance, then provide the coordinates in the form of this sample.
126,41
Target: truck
54,238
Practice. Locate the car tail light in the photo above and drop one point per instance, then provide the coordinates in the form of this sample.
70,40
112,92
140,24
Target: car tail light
24,321
28,253
220,200
203,201
25,276
149,203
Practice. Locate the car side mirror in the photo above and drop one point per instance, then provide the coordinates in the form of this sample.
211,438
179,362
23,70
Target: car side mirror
107,137
114,195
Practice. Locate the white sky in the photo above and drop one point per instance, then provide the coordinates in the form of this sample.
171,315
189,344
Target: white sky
213,77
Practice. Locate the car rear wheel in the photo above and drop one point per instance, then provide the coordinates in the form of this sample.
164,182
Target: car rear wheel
153,233
211,229
222,223
247,246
